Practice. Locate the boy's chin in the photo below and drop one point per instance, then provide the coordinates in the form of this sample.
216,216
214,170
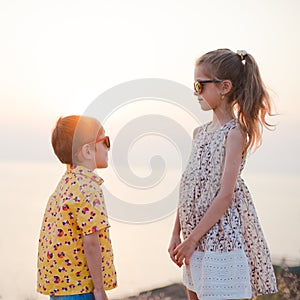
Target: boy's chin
102,166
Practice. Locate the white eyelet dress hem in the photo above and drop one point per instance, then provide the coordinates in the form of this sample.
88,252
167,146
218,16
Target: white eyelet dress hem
218,276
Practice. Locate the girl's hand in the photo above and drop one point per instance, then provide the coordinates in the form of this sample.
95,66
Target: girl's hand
100,294
175,241
184,251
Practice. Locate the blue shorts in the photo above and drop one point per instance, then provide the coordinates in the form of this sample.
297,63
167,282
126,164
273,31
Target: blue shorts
88,296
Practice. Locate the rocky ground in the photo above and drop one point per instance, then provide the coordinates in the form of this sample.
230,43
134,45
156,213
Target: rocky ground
170,292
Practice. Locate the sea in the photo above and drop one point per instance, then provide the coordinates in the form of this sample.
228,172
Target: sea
140,248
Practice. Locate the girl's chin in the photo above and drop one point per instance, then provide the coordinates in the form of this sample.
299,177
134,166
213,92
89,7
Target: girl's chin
204,106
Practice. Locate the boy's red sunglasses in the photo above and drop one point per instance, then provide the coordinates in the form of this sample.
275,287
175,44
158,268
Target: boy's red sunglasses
199,84
105,140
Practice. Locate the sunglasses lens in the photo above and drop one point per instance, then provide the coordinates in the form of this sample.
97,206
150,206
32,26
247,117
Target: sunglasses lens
198,87
107,142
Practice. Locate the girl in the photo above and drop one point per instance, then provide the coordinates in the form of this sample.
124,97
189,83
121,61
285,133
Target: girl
224,252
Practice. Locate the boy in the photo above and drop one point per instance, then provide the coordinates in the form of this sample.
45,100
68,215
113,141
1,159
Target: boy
75,258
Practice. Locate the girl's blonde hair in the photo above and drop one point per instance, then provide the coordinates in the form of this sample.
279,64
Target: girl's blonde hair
248,97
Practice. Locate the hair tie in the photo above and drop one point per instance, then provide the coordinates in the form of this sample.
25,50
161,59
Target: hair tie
242,54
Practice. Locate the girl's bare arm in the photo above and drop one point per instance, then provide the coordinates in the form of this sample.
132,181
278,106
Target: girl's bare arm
175,239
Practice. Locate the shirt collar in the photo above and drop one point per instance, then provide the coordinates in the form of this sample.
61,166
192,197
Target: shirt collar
80,170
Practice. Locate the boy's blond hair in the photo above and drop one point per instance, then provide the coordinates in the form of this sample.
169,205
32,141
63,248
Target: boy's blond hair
72,132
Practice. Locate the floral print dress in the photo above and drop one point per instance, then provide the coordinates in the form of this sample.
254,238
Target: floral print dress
232,260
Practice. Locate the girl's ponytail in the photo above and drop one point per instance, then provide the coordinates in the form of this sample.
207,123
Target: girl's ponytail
252,101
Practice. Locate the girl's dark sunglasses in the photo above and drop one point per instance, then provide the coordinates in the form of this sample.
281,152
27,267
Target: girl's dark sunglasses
199,84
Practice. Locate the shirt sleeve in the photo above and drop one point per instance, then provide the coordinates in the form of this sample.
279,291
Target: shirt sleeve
91,212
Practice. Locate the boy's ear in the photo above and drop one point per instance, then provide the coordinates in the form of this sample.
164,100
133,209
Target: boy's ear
86,152
226,86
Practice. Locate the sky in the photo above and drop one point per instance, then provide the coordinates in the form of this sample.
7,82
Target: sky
57,57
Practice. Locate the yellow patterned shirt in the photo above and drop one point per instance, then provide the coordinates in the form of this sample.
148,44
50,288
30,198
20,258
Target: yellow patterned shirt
75,209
